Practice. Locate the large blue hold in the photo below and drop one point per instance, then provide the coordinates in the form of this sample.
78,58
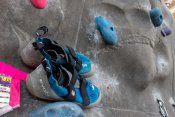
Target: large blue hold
58,109
107,30
156,16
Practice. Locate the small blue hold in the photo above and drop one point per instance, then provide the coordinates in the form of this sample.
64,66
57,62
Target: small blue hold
156,16
58,109
107,30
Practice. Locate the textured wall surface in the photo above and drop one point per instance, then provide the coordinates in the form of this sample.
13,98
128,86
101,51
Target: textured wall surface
131,74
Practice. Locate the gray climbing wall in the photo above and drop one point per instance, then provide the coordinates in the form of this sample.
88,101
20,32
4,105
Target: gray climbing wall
131,75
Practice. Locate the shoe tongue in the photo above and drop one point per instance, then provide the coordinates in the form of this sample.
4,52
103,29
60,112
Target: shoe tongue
54,55
66,76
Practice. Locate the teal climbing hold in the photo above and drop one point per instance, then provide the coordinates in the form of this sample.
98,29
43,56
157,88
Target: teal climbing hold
58,109
156,16
107,30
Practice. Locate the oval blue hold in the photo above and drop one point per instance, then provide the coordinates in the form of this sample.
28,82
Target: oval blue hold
156,16
58,109
107,30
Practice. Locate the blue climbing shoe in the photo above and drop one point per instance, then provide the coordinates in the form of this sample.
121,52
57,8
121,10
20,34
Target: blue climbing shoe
107,30
156,16
87,66
87,69
58,109
55,79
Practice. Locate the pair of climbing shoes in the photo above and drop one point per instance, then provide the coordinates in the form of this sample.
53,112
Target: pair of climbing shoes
56,78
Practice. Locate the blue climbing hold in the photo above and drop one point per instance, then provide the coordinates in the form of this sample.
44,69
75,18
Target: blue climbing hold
156,16
58,109
166,31
107,30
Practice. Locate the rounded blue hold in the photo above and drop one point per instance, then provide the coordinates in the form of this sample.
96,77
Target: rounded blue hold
107,30
58,109
166,31
156,16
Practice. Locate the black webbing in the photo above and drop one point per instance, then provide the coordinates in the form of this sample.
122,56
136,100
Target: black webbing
70,87
78,62
83,84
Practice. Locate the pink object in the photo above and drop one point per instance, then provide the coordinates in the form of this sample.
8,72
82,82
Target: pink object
16,76
40,4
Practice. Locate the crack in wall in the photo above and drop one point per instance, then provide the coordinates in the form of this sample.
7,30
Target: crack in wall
79,24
